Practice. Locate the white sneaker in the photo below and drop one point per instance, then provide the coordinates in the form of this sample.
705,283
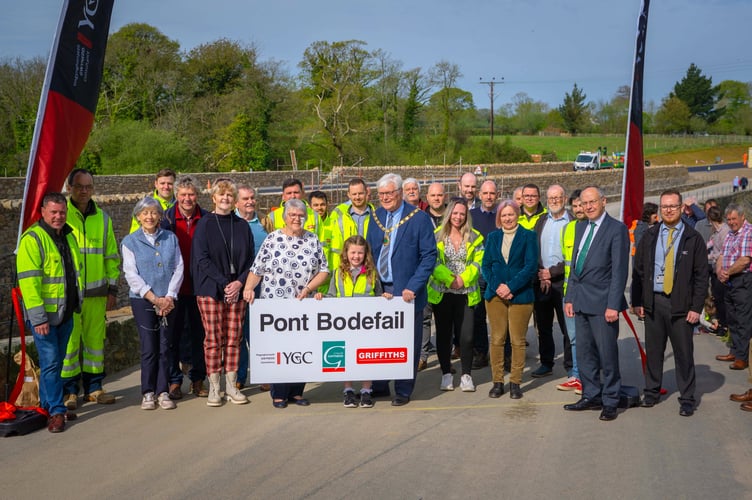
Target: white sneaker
447,382
165,402
466,383
148,402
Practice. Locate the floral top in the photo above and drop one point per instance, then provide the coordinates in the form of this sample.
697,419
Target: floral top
456,261
287,264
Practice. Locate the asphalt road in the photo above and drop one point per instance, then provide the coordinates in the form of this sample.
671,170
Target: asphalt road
441,445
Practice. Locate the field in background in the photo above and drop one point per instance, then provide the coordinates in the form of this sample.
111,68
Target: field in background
657,147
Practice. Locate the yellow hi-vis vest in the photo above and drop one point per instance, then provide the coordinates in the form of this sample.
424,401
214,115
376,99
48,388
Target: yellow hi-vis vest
98,249
340,226
275,220
443,276
567,249
41,275
363,286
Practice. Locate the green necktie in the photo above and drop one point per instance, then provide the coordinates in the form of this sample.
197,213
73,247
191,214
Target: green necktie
668,275
583,253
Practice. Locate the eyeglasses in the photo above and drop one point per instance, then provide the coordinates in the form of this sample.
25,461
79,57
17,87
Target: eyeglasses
670,207
296,216
591,203
388,194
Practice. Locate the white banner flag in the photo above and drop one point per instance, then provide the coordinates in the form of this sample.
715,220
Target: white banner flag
328,340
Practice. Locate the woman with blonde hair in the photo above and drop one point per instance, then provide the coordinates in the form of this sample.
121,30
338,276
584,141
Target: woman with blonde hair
453,290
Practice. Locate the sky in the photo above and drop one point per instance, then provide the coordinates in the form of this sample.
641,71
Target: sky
539,47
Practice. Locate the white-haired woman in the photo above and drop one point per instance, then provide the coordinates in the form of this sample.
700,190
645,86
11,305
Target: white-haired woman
153,268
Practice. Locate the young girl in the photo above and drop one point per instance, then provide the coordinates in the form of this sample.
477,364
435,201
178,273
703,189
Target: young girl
355,277
708,319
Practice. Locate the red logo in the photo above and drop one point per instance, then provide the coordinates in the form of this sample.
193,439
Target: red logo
381,355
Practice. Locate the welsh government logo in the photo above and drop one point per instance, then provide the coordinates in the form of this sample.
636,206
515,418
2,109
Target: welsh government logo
333,356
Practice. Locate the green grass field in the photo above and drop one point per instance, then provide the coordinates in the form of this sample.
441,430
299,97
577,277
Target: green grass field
567,147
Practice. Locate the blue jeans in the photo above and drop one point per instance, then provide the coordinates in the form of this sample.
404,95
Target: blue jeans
51,349
244,360
574,372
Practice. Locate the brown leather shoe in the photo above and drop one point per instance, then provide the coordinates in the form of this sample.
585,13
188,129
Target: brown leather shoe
746,406
744,397
56,423
198,390
422,365
738,365
726,357
265,387
175,392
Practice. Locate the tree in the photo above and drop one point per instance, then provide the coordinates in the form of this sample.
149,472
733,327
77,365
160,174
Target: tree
736,99
673,116
574,112
417,91
140,77
528,116
444,75
612,116
20,85
337,76
218,67
697,91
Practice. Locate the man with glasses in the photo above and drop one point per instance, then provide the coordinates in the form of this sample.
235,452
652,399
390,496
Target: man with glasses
594,297
531,209
404,250
549,285
92,229
670,292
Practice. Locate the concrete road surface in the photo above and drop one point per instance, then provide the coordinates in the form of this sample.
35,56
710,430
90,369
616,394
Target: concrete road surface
441,445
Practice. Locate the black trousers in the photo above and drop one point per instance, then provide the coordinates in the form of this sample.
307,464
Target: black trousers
661,326
739,313
454,317
545,307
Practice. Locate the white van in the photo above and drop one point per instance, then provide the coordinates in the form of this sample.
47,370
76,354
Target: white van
587,161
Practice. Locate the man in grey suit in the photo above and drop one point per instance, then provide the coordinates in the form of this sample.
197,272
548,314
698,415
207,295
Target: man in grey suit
594,297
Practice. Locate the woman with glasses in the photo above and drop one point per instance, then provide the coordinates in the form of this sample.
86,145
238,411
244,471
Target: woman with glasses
221,254
510,262
290,265
453,290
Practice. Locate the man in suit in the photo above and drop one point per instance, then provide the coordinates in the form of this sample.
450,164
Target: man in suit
594,297
669,285
404,250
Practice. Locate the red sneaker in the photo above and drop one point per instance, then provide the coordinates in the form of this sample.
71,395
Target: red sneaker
572,384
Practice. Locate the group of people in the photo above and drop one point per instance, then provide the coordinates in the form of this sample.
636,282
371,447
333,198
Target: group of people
468,263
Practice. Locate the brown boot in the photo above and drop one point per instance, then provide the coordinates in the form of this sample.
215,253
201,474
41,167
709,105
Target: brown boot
198,390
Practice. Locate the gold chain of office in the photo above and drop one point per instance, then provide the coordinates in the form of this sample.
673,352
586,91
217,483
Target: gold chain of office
387,232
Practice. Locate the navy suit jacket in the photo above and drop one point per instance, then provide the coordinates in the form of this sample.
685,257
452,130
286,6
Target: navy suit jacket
413,252
603,280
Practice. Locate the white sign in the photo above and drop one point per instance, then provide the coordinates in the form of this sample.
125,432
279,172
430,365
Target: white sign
368,338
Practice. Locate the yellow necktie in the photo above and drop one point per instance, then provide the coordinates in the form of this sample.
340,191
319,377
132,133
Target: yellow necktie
668,276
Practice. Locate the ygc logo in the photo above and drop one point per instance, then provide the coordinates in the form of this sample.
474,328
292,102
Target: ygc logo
333,356
294,358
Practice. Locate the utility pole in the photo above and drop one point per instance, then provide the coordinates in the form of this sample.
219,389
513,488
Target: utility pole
491,85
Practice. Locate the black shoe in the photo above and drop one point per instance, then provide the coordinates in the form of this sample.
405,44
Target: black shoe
400,400
584,404
299,401
608,413
514,391
648,402
480,361
687,410
542,371
496,390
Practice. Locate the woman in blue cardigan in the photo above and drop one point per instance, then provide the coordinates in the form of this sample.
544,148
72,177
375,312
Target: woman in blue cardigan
510,263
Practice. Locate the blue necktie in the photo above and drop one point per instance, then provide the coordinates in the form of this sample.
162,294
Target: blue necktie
583,253
384,255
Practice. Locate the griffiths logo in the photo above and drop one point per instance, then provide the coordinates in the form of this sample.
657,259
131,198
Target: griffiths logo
333,356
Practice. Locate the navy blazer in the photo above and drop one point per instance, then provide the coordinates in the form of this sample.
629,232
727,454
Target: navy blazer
603,280
413,252
519,272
